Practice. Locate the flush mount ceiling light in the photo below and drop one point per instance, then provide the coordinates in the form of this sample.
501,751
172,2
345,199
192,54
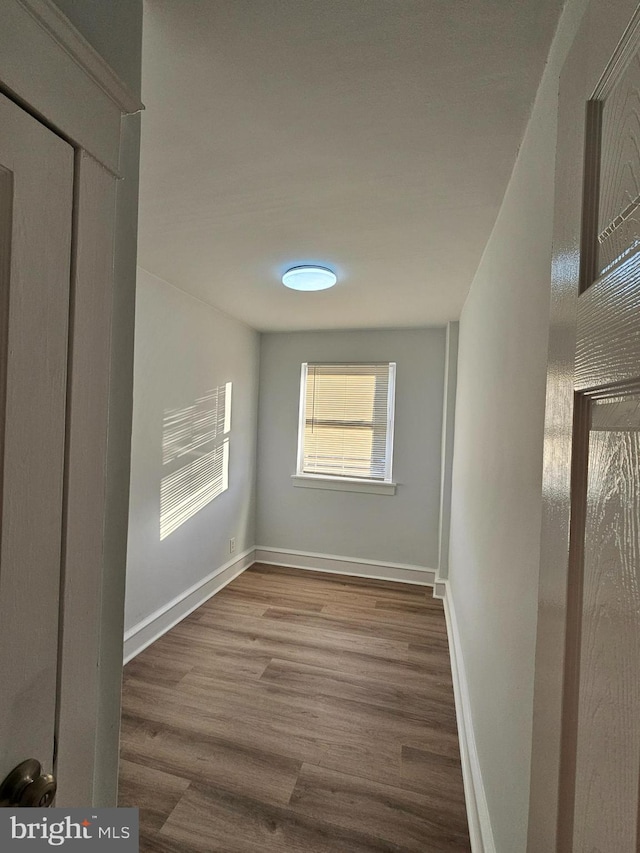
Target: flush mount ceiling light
309,278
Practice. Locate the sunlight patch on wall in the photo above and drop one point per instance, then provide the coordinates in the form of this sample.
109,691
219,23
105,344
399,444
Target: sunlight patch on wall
195,450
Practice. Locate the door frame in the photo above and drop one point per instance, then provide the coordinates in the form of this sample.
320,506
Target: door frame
48,68
608,34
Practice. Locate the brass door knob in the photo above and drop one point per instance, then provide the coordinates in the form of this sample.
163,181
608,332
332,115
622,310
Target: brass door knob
28,787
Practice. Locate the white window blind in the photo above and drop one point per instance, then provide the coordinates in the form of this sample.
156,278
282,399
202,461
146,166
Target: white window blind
346,420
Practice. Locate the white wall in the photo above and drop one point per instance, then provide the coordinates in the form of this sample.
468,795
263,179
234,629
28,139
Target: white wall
402,528
497,473
184,348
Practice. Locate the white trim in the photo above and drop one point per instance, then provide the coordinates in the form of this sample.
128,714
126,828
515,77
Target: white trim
48,67
152,627
83,54
86,462
304,370
439,588
448,431
343,484
480,830
374,569
391,419
302,417
57,75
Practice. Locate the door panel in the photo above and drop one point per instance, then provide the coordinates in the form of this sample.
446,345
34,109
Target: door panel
36,196
600,760
608,742
607,312
586,732
618,231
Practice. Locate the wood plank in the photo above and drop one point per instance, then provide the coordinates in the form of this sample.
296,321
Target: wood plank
154,792
174,653
328,583
248,632
322,735
286,688
271,596
431,771
212,819
408,820
356,624
227,604
159,669
233,765
320,681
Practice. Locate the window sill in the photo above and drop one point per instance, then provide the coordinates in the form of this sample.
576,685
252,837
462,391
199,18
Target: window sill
343,484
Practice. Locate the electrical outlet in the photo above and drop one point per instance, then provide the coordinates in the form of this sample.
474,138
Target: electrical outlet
232,545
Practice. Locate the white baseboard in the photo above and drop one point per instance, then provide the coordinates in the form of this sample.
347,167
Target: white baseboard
477,809
331,563
439,588
151,628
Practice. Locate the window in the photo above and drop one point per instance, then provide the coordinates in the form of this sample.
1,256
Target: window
346,423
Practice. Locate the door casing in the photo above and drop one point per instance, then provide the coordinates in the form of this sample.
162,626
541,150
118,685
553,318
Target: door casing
50,70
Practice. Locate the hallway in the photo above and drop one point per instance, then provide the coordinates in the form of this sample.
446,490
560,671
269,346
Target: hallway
297,711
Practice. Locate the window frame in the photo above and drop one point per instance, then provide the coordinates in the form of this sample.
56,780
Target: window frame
369,485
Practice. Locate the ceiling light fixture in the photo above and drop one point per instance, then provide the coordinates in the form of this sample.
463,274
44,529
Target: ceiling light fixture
309,278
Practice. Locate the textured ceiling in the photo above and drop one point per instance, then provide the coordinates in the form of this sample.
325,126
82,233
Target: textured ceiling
372,136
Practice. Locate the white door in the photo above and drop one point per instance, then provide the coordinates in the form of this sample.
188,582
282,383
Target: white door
36,198
592,477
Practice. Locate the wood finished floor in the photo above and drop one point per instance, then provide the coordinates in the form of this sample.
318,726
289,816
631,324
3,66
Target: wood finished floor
296,711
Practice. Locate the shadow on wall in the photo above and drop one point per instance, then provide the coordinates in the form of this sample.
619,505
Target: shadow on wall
195,457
